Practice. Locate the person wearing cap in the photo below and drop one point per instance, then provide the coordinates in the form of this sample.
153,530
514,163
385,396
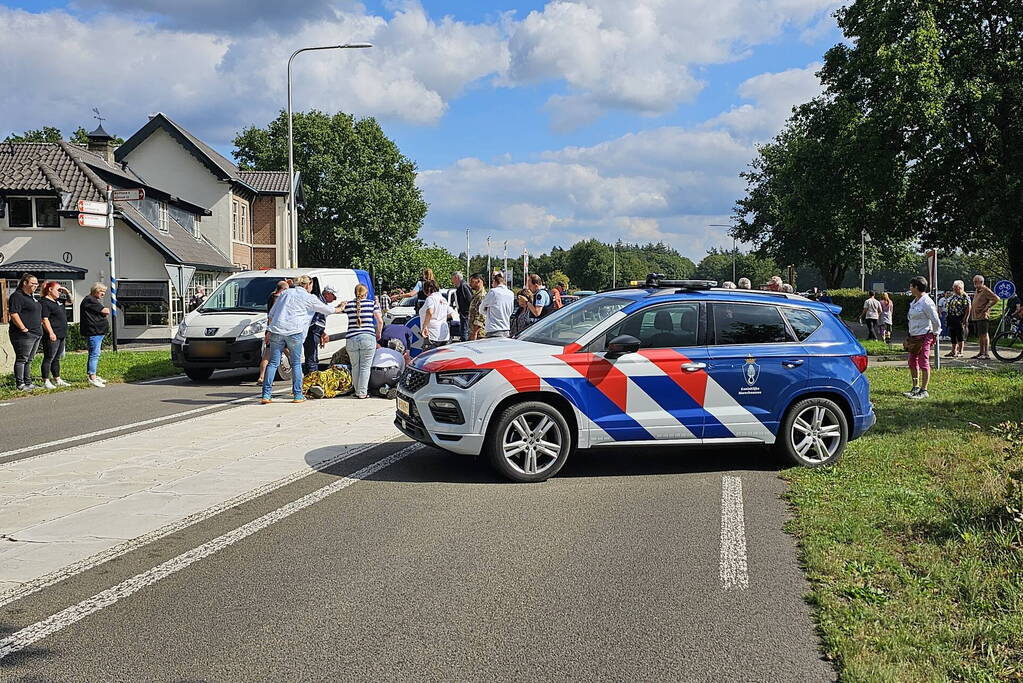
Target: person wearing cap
289,324
316,338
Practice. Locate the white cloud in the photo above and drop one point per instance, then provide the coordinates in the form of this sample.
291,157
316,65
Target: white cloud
774,95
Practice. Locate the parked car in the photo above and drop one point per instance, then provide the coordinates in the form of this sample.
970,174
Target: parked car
227,330
676,363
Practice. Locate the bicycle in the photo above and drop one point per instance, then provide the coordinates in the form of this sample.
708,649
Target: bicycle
1008,344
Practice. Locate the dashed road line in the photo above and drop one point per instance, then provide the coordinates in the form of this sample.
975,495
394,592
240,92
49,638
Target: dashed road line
88,563
734,571
133,426
61,620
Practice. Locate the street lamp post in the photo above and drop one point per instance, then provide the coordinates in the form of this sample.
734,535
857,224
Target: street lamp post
292,218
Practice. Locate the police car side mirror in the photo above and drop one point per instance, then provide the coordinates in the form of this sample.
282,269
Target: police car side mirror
621,345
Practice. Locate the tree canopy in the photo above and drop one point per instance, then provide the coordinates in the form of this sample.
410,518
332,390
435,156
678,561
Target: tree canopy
51,134
361,201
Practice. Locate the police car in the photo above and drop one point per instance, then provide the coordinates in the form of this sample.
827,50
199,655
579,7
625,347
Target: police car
673,362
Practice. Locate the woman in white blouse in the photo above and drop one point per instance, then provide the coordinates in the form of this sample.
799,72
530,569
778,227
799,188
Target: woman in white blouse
435,314
924,325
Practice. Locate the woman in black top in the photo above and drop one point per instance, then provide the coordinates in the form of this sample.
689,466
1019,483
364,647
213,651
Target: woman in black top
26,330
54,334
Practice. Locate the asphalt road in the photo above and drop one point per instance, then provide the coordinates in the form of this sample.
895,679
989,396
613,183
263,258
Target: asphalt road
432,569
44,423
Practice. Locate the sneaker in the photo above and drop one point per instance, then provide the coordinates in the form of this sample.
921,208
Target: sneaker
47,384
912,392
265,401
21,387
298,400
96,382
316,391
62,383
102,381
920,394
29,387
392,394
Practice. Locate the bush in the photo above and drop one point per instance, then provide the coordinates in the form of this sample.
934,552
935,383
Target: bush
851,300
76,342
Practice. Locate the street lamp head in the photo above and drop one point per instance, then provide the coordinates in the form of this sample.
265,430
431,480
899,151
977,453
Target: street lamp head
356,45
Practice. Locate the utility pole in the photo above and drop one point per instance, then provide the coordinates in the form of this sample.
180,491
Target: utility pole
113,268
506,261
614,265
863,259
468,269
490,270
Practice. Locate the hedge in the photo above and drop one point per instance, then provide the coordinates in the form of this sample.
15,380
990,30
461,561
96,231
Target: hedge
851,301
76,342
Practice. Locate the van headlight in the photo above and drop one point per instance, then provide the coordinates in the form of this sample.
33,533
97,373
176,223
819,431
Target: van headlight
182,328
253,329
462,379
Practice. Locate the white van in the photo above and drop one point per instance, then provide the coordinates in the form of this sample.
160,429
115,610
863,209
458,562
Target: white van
228,329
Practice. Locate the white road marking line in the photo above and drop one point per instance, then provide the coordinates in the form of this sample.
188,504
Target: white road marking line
61,620
67,572
131,426
3,405
159,380
734,572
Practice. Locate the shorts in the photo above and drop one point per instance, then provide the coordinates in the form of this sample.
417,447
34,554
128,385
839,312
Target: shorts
955,330
981,326
922,360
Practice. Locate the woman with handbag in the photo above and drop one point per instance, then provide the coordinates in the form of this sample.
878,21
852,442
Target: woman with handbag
924,324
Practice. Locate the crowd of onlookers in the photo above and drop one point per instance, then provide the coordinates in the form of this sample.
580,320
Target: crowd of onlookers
42,321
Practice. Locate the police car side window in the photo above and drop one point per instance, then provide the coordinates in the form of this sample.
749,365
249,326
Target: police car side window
736,323
804,323
660,327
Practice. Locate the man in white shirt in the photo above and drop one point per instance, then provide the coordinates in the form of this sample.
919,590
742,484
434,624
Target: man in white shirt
497,306
289,322
870,315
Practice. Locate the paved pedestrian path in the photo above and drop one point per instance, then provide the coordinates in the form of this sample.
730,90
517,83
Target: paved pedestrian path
66,507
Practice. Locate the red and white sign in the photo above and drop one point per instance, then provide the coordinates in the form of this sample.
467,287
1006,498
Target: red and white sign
85,206
128,195
90,220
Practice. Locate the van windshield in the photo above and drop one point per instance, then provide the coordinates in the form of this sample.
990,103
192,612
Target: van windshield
242,295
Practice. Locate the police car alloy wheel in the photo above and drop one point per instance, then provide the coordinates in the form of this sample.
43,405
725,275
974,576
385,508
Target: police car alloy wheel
814,433
530,442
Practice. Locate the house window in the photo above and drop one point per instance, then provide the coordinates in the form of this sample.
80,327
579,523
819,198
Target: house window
33,212
164,219
145,313
244,224
234,220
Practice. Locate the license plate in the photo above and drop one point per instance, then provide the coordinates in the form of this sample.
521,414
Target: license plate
206,349
403,406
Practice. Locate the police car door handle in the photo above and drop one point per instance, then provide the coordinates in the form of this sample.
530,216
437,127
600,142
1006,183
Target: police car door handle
694,367
793,363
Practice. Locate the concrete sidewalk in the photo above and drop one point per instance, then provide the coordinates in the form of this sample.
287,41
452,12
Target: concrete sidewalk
66,507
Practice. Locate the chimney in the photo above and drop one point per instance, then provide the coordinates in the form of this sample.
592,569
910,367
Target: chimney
102,143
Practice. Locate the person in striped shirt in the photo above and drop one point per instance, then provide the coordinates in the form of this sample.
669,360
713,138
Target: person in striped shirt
364,325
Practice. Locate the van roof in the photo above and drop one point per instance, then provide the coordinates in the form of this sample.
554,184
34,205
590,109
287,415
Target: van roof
282,273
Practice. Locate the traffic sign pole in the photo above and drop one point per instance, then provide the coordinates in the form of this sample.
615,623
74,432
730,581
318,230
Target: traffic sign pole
113,269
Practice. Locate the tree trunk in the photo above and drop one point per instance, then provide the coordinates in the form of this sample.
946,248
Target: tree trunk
834,273
1015,249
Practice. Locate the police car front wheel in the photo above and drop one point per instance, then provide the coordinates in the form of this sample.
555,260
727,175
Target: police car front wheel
530,442
814,432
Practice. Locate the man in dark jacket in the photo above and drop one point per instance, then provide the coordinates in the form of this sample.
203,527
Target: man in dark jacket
463,297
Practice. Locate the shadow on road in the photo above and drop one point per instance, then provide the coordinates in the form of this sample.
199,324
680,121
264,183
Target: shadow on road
432,465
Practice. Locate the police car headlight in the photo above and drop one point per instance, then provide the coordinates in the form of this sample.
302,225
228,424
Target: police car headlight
462,379
252,329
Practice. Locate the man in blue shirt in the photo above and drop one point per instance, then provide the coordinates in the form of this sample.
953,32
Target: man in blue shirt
290,318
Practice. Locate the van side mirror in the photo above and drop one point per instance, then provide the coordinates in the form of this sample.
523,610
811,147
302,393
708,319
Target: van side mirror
621,345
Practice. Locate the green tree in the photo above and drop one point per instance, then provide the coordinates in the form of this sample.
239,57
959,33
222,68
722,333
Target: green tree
401,265
361,199
51,134
944,81
588,263
556,276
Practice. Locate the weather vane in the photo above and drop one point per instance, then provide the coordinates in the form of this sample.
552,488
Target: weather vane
98,116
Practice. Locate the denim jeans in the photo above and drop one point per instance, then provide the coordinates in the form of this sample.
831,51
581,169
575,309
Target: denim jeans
278,342
361,349
95,343
25,348
311,350
52,352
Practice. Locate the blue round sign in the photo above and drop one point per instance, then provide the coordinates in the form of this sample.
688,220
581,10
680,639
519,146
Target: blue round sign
1004,289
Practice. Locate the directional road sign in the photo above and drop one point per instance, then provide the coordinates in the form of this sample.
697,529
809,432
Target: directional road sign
90,220
99,208
1004,289
128,195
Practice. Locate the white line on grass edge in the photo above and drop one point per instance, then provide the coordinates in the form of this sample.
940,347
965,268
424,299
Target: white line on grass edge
61,620
87,563
734,572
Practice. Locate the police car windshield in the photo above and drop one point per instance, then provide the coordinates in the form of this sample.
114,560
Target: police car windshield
248,294
568,324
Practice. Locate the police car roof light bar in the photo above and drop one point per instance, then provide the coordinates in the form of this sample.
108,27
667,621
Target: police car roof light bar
658,280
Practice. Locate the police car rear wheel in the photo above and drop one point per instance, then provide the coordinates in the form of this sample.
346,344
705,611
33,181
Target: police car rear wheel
814,433
530,442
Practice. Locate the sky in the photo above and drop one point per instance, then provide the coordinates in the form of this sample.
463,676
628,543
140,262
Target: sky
536,123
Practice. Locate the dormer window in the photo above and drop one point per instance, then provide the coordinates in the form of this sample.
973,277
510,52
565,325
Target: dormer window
164,224
33,212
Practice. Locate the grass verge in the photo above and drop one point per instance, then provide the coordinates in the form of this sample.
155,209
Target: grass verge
123,366
913,543
875,347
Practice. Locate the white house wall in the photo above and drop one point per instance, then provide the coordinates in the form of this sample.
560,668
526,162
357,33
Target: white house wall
136,259
165,164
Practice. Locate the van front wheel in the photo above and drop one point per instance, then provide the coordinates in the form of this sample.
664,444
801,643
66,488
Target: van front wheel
199,374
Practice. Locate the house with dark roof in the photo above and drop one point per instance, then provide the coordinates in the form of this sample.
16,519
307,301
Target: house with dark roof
249,209
40,187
